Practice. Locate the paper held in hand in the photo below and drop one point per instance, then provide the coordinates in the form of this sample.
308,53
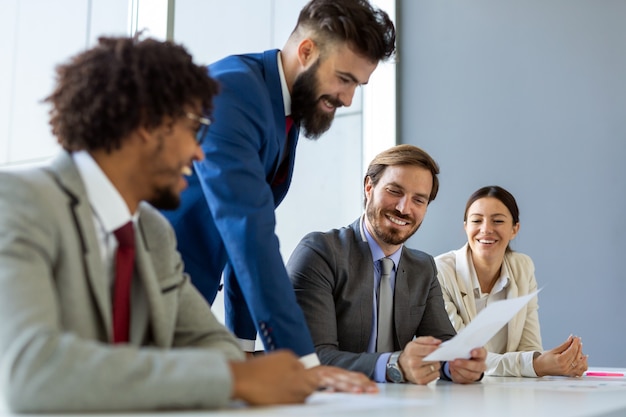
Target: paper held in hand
484,326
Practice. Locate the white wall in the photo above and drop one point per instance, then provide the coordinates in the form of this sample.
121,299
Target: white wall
35,36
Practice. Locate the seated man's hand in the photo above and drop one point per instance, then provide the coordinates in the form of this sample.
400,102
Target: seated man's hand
465,371
332,378
276,378
410,361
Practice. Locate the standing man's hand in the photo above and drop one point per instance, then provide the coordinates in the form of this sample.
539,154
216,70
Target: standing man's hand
411,360
275,378
466,371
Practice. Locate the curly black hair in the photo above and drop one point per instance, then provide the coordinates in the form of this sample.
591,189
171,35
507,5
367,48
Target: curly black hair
366,28
123,83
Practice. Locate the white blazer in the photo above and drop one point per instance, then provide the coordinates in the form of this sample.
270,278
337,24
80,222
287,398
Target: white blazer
523,336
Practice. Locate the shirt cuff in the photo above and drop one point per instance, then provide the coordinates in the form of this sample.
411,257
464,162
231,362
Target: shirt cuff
528,370
446,371
380,371
310,360
247,345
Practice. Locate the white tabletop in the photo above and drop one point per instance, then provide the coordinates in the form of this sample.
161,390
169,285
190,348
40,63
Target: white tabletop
501,397
494,396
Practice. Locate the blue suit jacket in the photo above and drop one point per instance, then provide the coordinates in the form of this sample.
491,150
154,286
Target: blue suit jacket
226,220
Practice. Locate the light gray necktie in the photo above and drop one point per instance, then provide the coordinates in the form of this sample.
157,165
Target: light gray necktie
384,343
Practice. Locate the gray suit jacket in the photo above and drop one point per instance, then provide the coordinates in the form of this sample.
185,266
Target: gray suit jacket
55,306
333,277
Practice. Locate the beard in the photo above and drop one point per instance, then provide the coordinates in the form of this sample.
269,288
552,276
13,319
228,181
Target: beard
165,199
305,104
389,236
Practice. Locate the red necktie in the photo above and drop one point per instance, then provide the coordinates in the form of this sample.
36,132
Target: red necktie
281,175
124,265
288,124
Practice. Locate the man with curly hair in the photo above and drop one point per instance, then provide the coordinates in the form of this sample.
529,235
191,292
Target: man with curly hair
226,222
130,115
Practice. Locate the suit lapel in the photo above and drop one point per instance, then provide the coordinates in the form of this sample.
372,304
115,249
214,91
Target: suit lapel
517,322
401,306
465,286
365,298
67,176
286,147
364,292
148,297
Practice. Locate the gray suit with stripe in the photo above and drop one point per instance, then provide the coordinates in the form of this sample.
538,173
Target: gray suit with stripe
333,277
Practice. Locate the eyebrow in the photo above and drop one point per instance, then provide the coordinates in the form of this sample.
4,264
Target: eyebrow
395,184
352,77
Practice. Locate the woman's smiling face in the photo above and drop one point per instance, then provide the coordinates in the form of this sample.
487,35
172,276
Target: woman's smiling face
489,228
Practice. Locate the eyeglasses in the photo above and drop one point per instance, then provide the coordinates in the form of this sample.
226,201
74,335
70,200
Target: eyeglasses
203,128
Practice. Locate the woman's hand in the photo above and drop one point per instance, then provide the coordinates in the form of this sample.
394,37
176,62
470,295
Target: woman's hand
566,359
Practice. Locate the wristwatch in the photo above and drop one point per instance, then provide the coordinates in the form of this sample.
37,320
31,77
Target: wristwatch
394,373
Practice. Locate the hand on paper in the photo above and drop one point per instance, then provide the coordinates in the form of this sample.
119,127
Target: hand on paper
566,359
276,378
414,369
332,378
466,371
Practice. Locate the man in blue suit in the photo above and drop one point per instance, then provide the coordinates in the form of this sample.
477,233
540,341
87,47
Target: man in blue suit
226,222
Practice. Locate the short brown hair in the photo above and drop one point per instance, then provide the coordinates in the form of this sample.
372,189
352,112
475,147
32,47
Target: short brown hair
365,28
403,155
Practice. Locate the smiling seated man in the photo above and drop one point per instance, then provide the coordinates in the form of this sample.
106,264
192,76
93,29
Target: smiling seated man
97,313
361,318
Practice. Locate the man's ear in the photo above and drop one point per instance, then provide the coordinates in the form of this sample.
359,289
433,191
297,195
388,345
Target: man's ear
307,52
368,187
143,133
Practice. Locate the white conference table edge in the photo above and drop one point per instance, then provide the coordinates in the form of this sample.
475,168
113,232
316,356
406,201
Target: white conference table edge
494,396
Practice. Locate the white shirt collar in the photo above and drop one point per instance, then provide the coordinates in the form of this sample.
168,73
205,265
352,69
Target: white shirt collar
106,201
501,283
283,86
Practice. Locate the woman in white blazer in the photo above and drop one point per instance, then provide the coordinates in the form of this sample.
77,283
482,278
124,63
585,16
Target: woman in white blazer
485,270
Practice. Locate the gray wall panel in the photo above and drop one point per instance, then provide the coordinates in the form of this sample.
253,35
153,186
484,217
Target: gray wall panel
531,96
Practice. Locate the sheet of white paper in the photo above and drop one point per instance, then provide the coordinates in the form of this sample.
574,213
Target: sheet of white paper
320,404
484,326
